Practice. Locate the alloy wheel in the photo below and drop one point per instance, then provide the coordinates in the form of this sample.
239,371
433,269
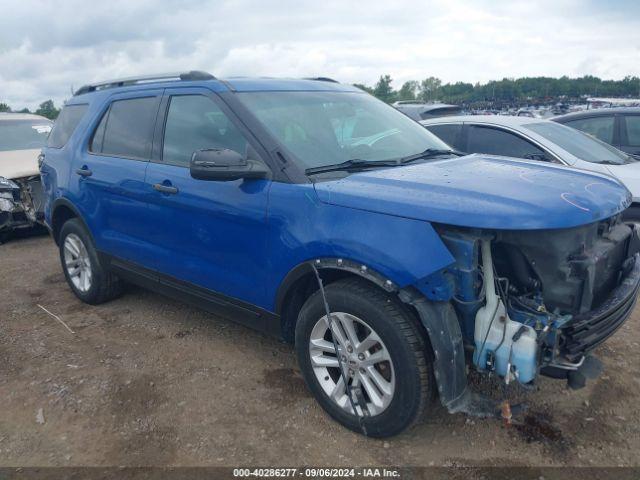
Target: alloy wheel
363,355
77,262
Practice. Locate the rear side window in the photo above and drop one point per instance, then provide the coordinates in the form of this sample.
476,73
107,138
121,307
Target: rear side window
98,136
599,127
498,142
449,134
66,123
126,129
632,123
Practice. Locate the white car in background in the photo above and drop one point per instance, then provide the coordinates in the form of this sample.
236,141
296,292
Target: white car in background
542,140
21,200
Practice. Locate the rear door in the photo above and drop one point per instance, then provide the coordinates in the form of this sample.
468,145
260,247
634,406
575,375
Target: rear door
211,234
110,174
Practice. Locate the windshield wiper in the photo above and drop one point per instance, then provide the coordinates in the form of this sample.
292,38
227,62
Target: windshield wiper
351,165
358,164
429,153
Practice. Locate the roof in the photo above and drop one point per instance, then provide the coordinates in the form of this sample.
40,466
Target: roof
21,116
596,112
612,100
408,102
254,84
195,78
503,120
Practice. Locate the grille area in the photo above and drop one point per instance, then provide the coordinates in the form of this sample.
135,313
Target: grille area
588,330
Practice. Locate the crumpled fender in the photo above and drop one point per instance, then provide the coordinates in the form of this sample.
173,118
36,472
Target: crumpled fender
400,250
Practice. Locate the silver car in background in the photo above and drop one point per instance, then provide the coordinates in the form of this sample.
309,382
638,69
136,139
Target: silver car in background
541,140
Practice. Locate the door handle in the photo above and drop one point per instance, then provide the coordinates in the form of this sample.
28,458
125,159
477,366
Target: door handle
165,188
84,172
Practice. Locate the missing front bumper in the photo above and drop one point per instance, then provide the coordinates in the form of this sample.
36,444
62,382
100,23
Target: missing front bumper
588,330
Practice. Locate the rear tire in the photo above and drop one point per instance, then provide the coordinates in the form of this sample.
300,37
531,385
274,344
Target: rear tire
88,279
407,383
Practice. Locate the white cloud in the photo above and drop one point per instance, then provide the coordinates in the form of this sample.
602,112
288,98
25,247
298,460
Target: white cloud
48,47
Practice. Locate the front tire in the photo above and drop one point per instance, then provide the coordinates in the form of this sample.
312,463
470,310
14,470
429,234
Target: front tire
383,353
90,282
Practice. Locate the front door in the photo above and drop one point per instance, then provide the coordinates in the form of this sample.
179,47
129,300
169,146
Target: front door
208,233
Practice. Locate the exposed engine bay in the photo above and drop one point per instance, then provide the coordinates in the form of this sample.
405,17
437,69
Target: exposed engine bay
21,203
538,302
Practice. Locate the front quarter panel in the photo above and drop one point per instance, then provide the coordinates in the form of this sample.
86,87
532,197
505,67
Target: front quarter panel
303,229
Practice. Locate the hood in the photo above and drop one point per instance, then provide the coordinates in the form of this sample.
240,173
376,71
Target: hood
629,174
19,163
482,191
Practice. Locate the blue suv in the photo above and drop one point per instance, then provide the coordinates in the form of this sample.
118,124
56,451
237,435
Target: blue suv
311,210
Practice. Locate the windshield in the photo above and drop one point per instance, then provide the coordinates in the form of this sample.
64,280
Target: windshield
579,144
23,134
328,128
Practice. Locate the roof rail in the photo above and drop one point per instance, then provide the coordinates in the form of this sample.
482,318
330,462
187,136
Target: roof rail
322,79
121,82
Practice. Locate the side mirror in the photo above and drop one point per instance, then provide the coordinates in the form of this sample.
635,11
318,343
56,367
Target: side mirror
224,165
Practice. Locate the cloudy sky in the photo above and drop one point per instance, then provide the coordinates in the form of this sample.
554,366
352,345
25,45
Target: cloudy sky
48,47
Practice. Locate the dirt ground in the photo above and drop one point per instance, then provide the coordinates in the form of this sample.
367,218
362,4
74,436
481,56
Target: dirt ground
148,381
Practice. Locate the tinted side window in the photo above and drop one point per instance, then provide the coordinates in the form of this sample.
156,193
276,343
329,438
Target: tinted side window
98,136
65,124
194,122
449,134
633,130
599,127
498,142
129,128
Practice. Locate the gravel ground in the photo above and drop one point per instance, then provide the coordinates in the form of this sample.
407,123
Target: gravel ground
148,381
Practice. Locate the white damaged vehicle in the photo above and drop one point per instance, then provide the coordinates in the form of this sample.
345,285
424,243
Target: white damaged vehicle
21,200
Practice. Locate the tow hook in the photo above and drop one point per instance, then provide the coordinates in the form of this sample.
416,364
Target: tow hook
590,369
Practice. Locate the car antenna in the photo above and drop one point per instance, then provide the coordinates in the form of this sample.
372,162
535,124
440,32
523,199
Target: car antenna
360,401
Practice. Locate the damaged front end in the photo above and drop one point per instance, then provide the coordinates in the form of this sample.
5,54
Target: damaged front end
21,203
533,302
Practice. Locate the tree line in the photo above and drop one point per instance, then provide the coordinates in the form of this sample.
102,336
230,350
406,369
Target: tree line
496,92
507,90
46,109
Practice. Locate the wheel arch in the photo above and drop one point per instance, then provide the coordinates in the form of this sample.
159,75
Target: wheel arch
62,211
300,283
